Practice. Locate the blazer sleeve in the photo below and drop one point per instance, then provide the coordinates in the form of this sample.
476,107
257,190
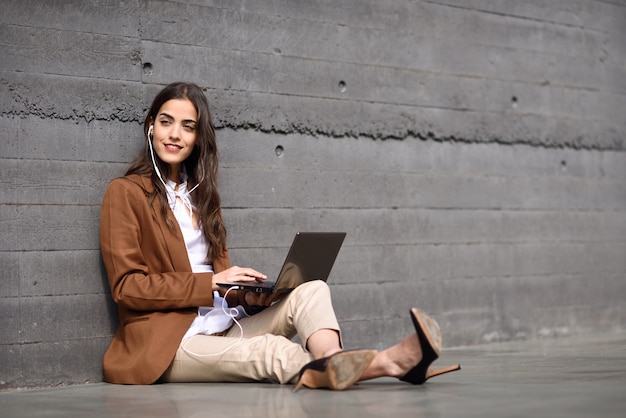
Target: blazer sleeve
136,247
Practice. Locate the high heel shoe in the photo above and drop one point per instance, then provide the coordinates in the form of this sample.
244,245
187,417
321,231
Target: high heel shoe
336,372
429,337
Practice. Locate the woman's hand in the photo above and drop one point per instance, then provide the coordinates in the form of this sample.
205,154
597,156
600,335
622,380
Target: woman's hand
238,274
255,302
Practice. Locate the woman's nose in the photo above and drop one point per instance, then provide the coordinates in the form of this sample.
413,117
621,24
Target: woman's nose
175,131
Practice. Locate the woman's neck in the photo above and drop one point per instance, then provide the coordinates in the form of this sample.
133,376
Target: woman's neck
174,174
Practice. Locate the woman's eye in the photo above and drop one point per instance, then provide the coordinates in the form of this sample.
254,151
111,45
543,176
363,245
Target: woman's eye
190,127
165,122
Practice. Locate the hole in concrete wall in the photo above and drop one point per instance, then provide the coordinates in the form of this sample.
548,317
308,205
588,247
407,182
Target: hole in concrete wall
279,151
147,68
342,86
514,101
563,165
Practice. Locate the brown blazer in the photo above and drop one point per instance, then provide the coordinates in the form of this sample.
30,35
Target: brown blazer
151,281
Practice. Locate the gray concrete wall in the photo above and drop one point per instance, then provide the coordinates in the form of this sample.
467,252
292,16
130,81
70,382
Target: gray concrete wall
474,152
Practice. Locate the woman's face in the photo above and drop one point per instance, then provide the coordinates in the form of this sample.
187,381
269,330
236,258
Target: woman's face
175,133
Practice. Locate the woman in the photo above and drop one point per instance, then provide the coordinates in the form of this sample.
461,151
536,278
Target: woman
163,243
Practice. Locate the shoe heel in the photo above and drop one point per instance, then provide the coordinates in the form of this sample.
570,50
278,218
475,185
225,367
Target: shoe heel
439,372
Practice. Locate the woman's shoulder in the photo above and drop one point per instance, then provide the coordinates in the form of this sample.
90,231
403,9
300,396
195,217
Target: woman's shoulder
127,194
132,182
128,191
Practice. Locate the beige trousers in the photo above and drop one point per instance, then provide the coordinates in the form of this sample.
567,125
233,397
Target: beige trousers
265,351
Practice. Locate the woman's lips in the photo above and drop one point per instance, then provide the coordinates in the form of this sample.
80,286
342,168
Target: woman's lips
172,147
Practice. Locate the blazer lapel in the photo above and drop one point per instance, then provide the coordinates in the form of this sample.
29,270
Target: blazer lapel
172,237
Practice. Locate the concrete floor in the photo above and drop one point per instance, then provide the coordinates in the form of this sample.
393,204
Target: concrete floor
564,377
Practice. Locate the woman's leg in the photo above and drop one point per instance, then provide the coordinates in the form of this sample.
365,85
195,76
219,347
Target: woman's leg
204,358
264,351
307,311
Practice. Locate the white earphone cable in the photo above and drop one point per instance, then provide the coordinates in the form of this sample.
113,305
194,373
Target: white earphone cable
185,198
232,313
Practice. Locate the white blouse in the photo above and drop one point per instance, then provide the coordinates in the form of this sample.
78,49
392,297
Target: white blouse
220,317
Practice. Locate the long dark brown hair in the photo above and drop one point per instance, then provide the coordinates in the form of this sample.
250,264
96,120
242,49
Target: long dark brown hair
201,165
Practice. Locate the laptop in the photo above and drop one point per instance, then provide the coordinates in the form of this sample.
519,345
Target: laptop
311,257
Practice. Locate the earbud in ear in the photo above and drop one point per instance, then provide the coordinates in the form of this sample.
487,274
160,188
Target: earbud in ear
150,129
